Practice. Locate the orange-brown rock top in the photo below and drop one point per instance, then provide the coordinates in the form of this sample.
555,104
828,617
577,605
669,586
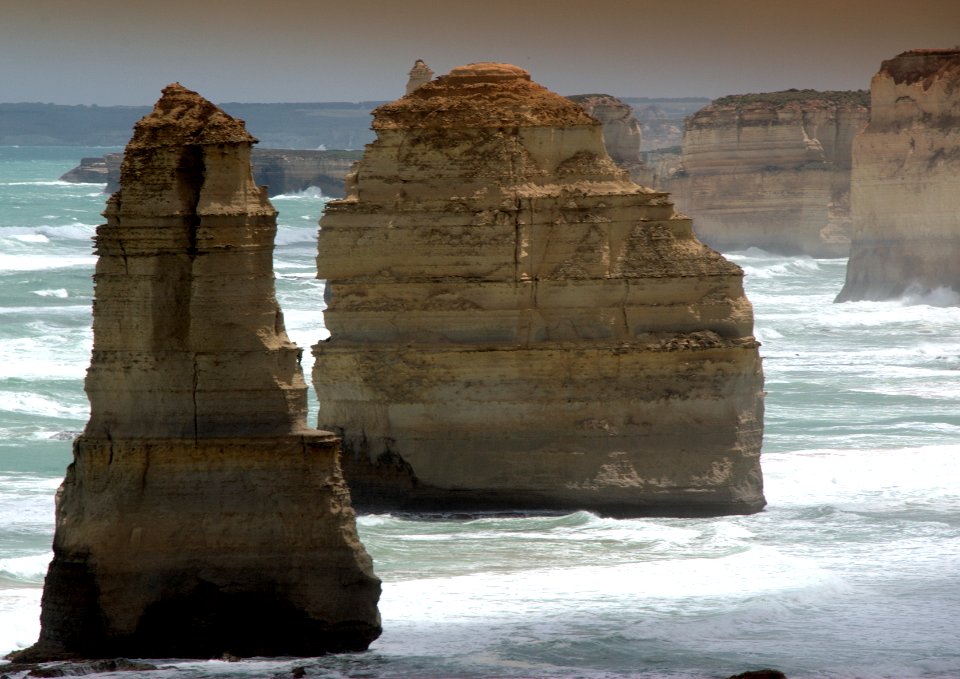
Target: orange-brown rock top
181,116
918,87
922,66
484,94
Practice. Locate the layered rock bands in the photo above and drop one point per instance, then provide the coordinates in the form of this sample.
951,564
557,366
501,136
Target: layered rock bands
200,515
516,325
771,171
905,196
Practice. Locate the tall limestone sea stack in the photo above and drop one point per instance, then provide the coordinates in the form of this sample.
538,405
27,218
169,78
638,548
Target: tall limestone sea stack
516,325
905,194
200,515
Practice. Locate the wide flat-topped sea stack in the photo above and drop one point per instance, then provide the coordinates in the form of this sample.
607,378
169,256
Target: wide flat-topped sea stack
201,515
516,325
905,186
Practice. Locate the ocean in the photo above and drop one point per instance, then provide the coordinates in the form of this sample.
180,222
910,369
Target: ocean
853,569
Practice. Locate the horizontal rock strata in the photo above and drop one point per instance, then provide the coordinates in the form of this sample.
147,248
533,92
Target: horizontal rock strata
200,515
514,324
905,200
771,171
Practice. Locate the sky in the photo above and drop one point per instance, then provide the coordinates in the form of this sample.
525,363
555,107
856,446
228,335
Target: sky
109,52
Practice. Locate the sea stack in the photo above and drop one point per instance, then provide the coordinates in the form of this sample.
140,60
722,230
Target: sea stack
200,515
772,170
516,325
419,74
905,193
621,129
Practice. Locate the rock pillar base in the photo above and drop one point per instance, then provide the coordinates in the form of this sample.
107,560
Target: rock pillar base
196,548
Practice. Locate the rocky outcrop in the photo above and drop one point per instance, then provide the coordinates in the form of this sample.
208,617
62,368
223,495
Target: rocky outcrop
200,514
514,324
906,173
280,170
91,170
771,171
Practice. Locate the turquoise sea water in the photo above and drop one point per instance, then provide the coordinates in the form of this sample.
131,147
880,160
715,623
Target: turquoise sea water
853,570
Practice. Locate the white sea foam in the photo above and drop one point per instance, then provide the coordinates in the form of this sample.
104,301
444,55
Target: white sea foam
31,238
19,618
58,292
41,406
311,194
938,297
44,262
26,569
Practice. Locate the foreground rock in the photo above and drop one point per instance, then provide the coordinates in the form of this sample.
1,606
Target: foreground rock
514,324
200,515
771,171
906,181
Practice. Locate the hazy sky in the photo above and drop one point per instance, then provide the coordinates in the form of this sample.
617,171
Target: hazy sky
125,51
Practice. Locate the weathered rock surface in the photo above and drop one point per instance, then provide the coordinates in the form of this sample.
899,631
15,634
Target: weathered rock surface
200,515
905,196
280,170
515,324
771,171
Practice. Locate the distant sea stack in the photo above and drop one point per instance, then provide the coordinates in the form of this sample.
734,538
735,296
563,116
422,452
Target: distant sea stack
516,325
200,515
905,195
772,171
621,129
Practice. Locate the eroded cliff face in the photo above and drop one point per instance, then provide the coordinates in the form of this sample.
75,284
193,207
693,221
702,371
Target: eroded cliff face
515,324
200,515
905,197
771,171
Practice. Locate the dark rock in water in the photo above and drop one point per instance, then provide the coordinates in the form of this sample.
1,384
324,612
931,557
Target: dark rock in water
760,674
201,516
64,435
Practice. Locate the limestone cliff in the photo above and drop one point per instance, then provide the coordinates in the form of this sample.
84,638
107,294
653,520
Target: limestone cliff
515,324
200,515
905,195
771,171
